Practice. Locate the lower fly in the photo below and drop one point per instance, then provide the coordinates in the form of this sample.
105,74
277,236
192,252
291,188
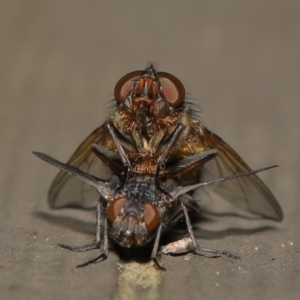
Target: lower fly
138,210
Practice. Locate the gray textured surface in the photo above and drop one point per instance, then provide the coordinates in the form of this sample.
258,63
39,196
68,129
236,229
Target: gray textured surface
59,61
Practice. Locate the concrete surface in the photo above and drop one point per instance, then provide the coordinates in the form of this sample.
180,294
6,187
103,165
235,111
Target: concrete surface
59,62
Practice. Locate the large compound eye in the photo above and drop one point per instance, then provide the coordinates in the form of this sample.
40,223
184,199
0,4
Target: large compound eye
125,84
172,88
151,216
115,208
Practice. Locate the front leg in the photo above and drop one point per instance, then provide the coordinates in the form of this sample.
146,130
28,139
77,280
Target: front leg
155,248
96,244
189,244
86,247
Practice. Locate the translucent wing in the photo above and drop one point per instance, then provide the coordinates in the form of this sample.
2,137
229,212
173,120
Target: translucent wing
248,193
66,191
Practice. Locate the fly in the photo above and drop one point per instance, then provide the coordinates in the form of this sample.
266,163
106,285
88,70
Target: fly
140,209
147,162
149,105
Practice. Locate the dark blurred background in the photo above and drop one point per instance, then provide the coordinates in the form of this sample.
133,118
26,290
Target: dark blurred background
59,62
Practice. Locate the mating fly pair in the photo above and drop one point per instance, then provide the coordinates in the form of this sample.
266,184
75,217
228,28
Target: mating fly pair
157,154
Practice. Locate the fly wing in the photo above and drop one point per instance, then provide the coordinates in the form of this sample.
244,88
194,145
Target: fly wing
248,193
66,191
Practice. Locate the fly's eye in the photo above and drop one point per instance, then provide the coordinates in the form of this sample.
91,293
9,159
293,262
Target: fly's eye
172,88
125,84
151,216
114,208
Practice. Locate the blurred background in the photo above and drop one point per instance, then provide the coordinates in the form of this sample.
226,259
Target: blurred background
59,62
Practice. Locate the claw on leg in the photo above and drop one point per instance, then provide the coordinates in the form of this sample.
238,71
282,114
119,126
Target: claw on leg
99,258
216,253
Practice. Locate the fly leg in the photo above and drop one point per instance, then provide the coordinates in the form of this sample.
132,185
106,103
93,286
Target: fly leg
155,249
96,244
104,253
191,244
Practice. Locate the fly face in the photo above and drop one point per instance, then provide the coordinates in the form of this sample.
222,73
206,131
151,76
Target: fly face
135,214
149,103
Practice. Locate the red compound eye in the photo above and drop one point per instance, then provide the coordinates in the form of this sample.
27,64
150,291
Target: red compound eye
125,84
172,88
151,216
115,207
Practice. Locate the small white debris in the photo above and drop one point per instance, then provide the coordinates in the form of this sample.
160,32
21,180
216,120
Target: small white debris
181,246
